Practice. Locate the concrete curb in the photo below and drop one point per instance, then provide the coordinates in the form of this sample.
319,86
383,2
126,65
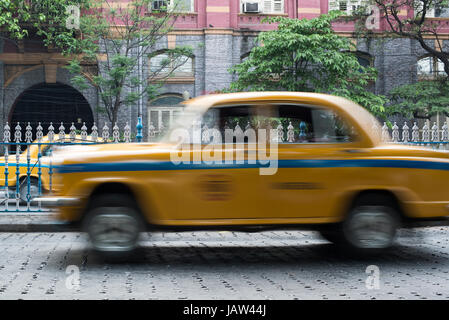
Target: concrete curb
33,222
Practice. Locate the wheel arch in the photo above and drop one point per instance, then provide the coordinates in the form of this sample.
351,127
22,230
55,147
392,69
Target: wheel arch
392,197
118,187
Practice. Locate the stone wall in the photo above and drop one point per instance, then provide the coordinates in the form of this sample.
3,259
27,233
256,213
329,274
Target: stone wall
213,54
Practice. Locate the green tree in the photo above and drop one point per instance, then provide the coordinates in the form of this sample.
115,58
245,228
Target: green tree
115,39
419,27
307,55
422,99
45,18
106,47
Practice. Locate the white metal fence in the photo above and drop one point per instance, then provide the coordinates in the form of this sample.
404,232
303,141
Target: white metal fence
27,158
411,133
430,135
22,167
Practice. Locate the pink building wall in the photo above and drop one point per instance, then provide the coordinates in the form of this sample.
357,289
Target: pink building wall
226,14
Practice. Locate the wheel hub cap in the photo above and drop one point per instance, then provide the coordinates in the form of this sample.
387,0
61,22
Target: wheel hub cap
113,232
371,228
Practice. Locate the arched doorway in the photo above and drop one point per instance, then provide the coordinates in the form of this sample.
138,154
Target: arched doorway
51,103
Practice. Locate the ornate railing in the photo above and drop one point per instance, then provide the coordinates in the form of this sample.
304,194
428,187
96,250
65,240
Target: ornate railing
25,167
28,172
432,136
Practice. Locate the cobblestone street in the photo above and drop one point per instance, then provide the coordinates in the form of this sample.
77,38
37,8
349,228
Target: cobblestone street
223,265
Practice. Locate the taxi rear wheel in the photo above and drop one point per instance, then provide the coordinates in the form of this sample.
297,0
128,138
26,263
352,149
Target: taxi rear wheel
113,224
370,226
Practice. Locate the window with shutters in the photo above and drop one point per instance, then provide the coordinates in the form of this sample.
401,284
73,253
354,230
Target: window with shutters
441,12
267,6
346,6
438,11
175,5
166,64
162,111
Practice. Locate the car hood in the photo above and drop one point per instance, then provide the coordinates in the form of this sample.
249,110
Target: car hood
110,152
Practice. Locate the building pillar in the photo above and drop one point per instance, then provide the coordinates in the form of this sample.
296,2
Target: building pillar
218,13
218,59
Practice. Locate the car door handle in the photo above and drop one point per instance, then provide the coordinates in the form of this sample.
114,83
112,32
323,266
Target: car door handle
352,150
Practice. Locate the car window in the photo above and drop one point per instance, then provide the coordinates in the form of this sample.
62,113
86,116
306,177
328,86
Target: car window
306,124
237,118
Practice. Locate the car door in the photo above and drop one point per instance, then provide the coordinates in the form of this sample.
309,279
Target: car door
210,189
312,141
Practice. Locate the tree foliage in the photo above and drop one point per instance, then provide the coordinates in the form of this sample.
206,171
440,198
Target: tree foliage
112,40
116,39
420,100
307,55
424,98
45,18
418,27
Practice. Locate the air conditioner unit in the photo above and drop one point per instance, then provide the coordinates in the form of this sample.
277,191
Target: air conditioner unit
251,7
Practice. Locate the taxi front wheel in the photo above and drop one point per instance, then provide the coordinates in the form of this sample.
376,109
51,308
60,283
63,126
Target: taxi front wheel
33,189
113,225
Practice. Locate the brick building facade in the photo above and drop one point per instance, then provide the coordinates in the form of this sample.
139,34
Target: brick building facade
221,33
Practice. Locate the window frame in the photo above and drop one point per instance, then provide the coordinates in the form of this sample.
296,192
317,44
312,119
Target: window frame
430,13
172,109
170,6
435,72
262,7
170,66
336,4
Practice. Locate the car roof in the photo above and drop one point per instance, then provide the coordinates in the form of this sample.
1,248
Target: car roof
302,97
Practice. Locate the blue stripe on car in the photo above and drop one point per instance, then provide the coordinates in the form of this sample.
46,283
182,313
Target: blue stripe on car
318,163
13,164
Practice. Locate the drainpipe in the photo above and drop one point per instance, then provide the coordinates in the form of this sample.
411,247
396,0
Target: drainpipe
139,126
296,6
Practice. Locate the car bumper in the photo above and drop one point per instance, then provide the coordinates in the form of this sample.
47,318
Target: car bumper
53,202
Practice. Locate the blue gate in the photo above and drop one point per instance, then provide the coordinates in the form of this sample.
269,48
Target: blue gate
27,163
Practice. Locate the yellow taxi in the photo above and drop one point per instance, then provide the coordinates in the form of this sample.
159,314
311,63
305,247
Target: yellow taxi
256,161
31,169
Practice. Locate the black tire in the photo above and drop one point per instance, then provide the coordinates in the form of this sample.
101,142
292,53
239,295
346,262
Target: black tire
113,224
23,189
369,227
331,233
